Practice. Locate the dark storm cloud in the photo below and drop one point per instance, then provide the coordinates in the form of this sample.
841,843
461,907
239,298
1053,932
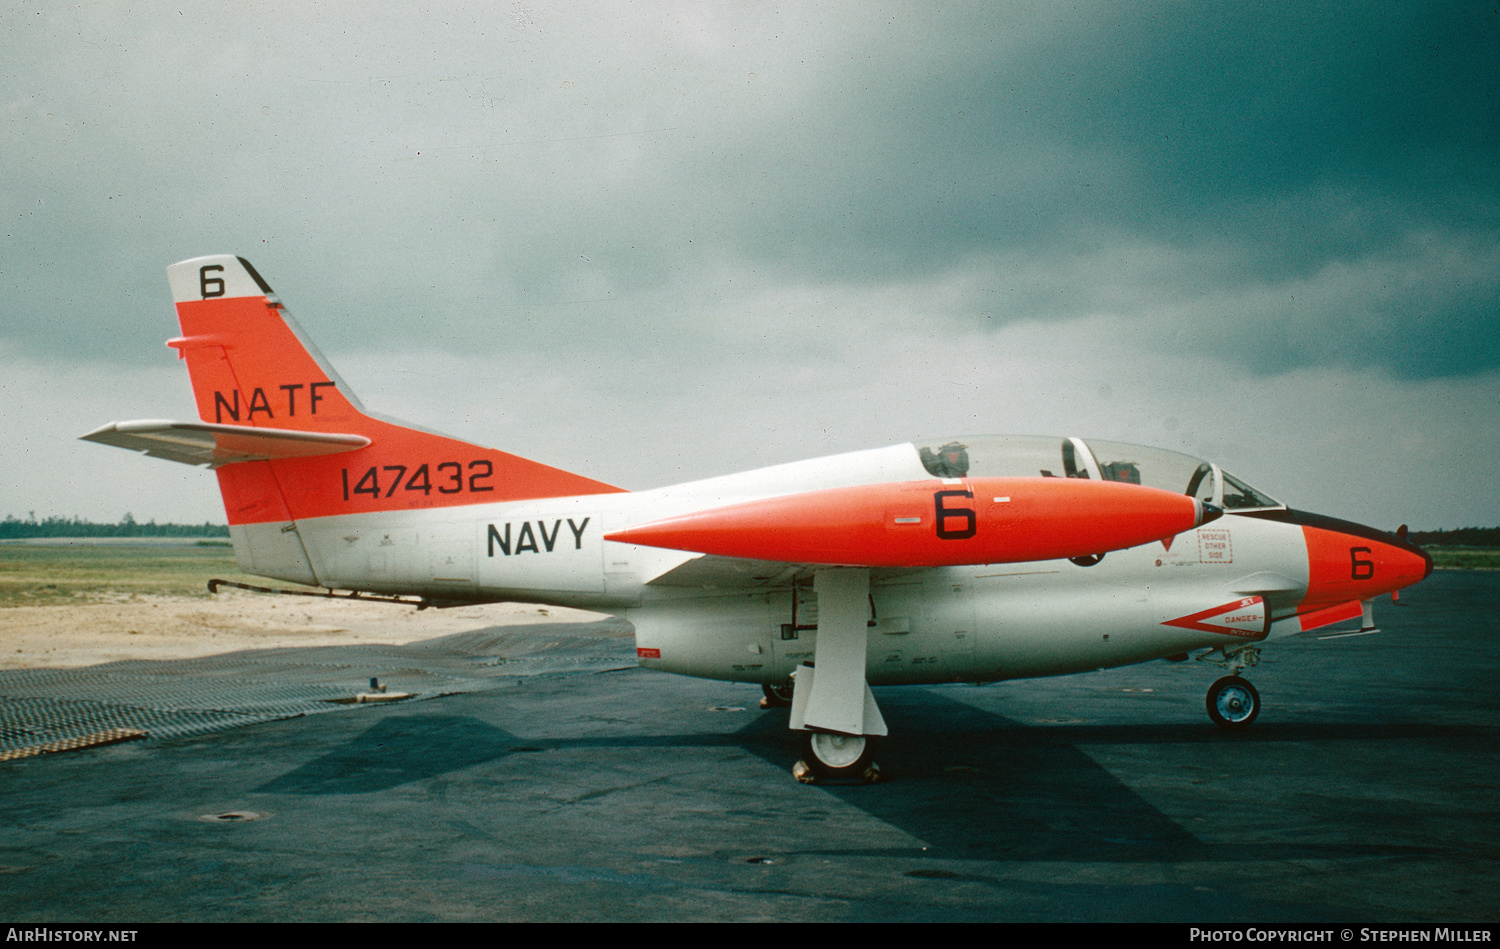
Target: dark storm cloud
1270,148
1301,185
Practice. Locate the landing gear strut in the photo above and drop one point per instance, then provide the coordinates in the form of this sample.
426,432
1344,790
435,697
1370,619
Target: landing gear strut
1232,702
831,702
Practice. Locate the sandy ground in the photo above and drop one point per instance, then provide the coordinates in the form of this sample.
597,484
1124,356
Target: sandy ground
169,627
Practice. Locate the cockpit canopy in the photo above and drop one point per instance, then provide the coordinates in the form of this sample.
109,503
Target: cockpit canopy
1031,456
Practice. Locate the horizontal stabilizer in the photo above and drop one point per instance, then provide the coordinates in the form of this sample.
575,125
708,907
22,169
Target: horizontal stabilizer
202,443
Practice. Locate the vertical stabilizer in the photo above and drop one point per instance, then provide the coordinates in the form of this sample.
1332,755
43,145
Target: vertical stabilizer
251,366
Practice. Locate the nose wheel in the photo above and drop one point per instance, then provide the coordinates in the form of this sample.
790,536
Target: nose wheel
1233,702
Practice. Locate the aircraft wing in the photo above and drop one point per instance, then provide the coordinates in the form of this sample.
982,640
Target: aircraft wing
201,443
711,570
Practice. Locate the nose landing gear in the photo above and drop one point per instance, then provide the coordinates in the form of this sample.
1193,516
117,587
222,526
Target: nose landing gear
1232,702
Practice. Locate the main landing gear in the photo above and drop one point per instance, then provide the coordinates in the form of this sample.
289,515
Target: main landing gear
826,756
831,703
832,757
776,696
1232,702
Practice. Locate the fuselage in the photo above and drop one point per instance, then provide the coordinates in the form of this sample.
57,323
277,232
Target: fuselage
1244,578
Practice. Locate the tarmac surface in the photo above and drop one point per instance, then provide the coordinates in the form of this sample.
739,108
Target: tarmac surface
1366,794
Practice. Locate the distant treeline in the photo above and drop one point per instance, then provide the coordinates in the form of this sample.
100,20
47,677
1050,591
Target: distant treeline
13,528
1463,537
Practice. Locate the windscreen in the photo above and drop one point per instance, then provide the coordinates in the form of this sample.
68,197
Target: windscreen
1050,456
1239,496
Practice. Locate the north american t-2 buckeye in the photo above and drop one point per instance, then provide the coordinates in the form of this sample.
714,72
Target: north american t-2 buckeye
958,559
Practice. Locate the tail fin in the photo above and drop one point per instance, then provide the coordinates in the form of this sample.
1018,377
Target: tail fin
237,339
253,369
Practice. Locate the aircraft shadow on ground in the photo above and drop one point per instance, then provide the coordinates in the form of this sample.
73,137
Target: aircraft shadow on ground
967,783
981,786
399,750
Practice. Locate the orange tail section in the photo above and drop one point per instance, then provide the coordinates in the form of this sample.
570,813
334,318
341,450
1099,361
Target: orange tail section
252,368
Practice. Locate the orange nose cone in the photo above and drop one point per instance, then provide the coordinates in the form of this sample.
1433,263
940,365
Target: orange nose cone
1344,566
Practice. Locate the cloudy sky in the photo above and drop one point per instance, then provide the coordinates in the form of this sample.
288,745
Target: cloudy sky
653,241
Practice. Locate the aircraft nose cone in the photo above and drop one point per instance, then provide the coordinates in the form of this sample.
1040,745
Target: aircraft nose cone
1348,561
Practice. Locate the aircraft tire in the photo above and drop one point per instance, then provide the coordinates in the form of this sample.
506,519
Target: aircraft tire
776,696
838,757
1232,702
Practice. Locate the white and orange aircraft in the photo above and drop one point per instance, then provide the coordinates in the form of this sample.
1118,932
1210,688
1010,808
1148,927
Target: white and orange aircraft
971,559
